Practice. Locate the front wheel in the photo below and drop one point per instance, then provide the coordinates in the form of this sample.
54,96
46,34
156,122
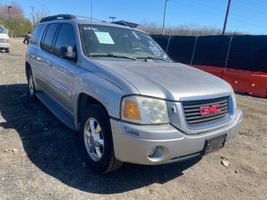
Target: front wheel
7,50
97,139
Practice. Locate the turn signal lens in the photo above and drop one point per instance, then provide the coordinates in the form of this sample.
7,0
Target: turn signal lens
131,110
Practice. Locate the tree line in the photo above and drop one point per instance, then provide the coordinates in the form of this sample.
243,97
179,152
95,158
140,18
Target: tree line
190,30
13,18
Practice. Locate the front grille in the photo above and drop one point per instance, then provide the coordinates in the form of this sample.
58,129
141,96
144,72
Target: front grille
195,117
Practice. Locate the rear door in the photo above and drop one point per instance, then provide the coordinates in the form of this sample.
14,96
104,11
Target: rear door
43,59
35,59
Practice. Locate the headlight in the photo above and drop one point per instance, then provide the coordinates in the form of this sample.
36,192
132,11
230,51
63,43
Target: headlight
6,40
144,110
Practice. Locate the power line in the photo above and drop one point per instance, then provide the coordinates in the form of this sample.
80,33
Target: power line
249,8
233,16
203,8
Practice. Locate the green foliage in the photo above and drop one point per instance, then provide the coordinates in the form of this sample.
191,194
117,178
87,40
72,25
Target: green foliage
18,26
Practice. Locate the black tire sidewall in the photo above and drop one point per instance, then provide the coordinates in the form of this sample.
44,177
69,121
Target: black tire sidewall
29,74
98,113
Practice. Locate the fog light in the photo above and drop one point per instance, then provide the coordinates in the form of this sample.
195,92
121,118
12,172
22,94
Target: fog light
151,152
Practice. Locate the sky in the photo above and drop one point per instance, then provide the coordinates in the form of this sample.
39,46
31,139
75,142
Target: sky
248,16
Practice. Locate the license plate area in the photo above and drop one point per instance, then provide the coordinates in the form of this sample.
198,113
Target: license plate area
214,144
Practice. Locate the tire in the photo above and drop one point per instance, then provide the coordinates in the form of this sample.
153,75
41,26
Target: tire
7,50
98,144
31,85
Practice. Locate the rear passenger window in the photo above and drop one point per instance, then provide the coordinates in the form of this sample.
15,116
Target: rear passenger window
66,38
47,41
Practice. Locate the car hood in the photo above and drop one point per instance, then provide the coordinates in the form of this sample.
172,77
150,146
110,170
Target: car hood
173,81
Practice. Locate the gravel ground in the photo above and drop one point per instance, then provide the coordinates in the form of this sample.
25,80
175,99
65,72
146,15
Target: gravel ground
40,158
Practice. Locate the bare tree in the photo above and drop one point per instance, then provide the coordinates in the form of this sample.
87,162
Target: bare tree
15,10
189,30
38,13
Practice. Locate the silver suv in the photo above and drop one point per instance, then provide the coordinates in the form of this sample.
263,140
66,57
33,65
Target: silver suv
130,102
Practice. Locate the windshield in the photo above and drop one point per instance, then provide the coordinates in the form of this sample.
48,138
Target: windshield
3,30
111,41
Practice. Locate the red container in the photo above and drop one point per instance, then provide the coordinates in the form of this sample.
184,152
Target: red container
254,83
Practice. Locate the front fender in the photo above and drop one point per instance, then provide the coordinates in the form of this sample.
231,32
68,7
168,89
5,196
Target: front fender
101,89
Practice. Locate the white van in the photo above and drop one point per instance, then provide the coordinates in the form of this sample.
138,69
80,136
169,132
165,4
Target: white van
4,40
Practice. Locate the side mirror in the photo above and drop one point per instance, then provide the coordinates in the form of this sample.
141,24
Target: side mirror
67,52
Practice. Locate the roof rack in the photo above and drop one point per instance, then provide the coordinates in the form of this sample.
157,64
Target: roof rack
125,23
56,17
90,18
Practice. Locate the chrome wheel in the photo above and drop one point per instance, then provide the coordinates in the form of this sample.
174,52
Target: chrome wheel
93,139
30,85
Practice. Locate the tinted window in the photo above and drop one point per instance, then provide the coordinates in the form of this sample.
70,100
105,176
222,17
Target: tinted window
49,36
66,37
36,33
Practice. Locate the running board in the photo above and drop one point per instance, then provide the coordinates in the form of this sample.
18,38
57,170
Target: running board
57,110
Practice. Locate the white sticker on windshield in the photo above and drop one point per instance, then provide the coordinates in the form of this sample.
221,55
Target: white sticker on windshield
104,37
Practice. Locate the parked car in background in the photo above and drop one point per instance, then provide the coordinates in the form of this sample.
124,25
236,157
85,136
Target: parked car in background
129,101
4,40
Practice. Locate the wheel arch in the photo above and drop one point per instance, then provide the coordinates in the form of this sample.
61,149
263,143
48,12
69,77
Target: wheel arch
85,100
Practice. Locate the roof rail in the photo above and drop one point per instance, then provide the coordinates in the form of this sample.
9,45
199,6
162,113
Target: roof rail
125,23
56,17
90,18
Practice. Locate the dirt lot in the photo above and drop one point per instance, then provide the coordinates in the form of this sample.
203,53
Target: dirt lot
40,158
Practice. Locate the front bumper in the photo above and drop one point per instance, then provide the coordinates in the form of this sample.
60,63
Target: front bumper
133,142
4,45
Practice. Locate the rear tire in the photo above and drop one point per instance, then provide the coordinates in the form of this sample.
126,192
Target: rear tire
31,85
96,137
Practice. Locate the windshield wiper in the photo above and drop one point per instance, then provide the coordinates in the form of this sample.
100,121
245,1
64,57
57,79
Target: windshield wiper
152,58
112,55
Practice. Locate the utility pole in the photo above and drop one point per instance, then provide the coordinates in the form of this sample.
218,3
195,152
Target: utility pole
112,18
9,16
33,15
226,17
164,17
8,9
91,10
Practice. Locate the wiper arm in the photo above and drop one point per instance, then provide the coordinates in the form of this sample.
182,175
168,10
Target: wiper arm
152,58
113,56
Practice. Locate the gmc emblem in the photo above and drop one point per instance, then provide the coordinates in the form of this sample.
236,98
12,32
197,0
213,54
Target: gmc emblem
209,110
